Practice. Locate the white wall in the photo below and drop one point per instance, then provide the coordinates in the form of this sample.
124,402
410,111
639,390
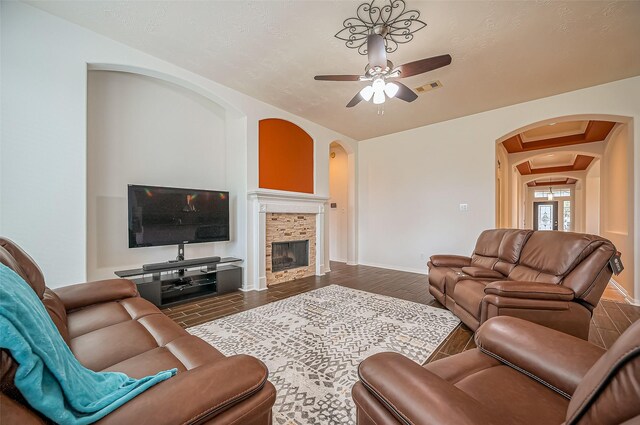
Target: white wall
338,217
44,150
616,222
502,187
411,183
142,130
592,199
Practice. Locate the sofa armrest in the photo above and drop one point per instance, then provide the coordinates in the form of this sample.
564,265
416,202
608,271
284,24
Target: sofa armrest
415,395
101,291
196,395
530,290
450,260
553,358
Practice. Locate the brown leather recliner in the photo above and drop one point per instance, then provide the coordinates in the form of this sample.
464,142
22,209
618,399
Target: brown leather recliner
552,278
110,328
521,373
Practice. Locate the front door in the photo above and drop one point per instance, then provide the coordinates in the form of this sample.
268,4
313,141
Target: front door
545,215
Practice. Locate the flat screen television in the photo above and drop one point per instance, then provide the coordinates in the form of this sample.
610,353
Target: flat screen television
171,216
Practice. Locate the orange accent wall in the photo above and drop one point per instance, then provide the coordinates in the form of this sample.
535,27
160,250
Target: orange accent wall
285,156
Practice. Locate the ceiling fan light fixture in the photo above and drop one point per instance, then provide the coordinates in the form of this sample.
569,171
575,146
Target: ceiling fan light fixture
367,93
378,97
391,89
378,85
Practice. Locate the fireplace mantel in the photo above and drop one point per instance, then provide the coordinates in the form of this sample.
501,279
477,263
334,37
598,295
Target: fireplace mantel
288,202
265,201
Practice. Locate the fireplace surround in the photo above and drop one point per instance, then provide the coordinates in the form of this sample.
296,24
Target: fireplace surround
263,203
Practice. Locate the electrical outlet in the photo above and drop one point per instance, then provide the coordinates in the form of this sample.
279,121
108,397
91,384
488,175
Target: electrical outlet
464,207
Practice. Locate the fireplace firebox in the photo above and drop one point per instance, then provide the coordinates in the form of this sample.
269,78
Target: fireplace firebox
289,255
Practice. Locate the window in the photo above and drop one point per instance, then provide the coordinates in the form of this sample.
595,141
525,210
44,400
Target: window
556,193
566,216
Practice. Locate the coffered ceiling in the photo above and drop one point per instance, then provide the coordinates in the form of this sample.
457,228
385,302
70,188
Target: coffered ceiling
548,183
557,135
580,163
504,52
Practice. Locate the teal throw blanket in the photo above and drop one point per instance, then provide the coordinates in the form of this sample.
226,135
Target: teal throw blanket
49,376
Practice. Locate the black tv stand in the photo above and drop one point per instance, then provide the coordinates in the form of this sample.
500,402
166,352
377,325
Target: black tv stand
175,282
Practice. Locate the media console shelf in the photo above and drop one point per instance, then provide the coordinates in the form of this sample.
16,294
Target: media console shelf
178,283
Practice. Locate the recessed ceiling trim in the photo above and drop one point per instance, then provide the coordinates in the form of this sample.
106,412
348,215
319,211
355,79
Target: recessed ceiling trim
581,163
596,131
579,128
543,183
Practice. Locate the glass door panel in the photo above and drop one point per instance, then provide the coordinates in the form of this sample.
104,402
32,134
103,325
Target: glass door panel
545,215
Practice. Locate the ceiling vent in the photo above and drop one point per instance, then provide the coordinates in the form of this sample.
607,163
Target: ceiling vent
429,86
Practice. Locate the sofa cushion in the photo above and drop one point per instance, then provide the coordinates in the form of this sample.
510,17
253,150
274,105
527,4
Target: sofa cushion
100,316
134,337
468,295
557,253
184,353
499,249
491,382
57,312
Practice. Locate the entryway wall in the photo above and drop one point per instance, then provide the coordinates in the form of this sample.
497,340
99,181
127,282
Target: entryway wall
617,200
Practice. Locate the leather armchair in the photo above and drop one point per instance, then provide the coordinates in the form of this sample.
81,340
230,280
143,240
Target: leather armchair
521,373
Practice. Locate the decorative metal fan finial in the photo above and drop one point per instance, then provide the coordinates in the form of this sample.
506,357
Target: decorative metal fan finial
388,18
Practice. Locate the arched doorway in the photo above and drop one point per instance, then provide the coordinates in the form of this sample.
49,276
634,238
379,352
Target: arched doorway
342,204
581,162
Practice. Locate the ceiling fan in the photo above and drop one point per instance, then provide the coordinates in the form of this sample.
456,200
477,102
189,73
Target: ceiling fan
383,75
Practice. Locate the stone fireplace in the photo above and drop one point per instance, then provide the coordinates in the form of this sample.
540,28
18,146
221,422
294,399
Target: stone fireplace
290,250
285,219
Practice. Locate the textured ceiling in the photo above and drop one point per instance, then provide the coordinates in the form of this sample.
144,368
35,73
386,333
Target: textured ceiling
504,52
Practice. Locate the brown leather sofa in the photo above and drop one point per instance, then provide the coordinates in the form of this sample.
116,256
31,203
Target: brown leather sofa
110,328
552,278
521,373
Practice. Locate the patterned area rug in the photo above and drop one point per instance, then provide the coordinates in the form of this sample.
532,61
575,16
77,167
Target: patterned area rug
312,344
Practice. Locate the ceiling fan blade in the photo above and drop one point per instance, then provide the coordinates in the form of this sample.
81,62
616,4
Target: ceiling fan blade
423,65
405,93
356,99
337,77
376,51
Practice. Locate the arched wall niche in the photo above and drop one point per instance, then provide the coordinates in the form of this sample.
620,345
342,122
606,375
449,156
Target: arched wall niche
144,150
286,157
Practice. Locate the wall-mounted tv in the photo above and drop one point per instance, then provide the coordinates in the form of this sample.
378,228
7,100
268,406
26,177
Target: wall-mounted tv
172,216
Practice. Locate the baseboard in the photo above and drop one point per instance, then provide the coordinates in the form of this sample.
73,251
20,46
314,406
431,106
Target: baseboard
624,292
394,267
340,260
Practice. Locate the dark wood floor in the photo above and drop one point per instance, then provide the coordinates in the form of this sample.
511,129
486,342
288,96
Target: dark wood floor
609,321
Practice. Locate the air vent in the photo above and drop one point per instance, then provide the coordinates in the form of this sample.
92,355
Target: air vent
429,86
